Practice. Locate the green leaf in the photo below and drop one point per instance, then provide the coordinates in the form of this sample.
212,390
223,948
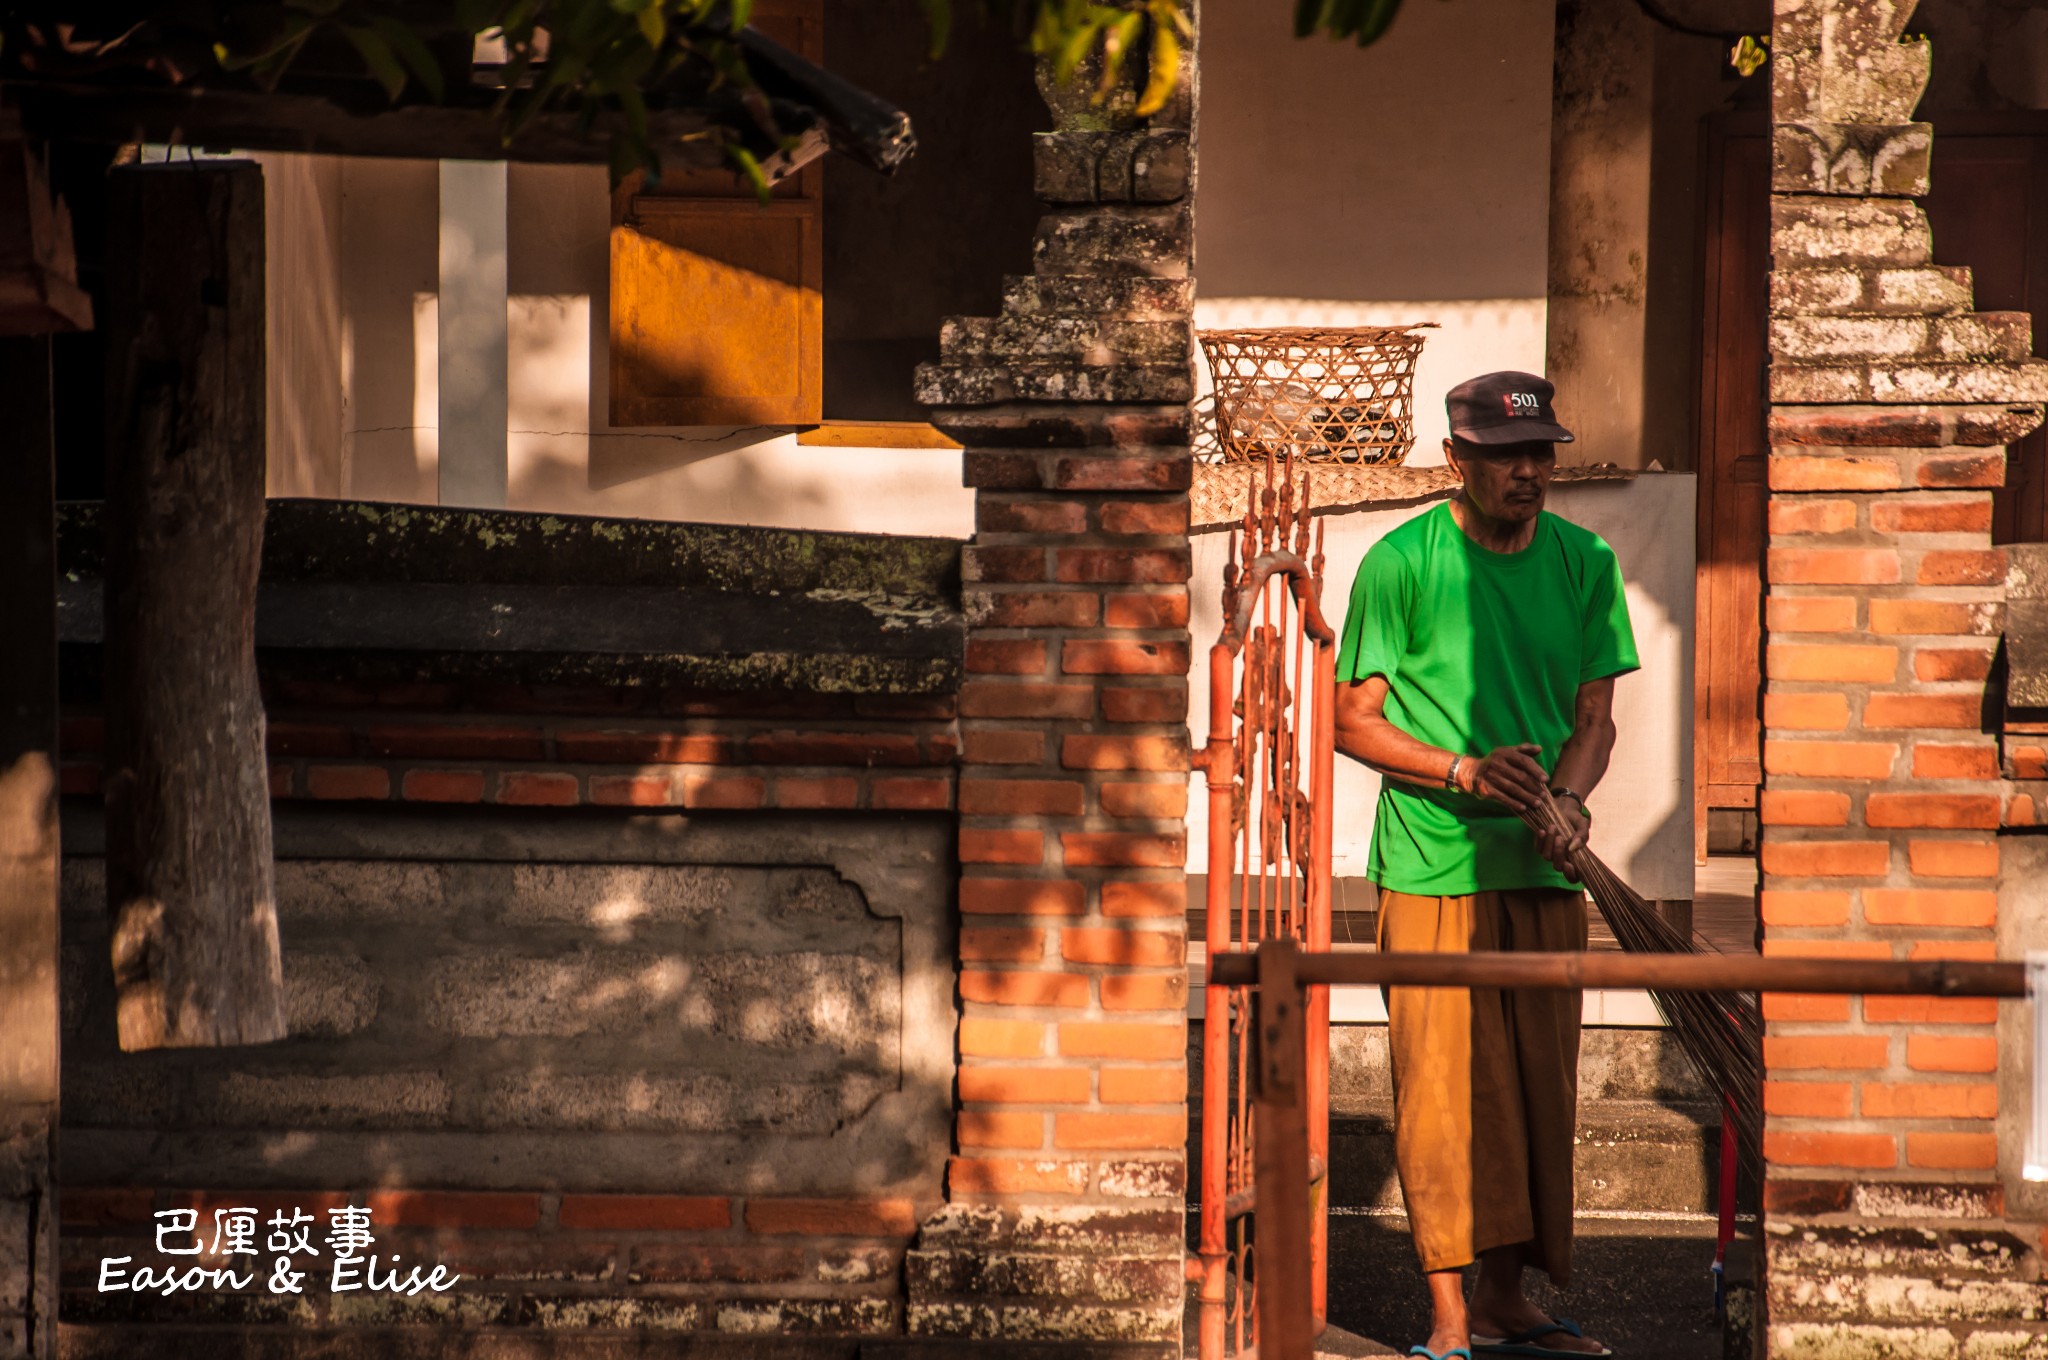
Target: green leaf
742,14
377,55
750,167
1116,46
1750,54
1308,16
938,17
653,26
1165,71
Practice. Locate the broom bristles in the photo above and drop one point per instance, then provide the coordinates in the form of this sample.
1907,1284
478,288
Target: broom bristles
1720,1033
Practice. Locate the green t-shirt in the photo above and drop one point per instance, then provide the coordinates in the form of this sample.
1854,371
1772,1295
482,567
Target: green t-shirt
1479,649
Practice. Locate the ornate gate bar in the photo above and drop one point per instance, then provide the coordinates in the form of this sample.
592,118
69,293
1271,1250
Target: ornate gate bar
1270,840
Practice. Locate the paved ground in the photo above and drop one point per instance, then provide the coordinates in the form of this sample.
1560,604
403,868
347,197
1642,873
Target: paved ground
1642,1287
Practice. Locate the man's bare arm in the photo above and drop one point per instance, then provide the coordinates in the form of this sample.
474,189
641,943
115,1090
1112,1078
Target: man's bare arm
1508,774
1582,763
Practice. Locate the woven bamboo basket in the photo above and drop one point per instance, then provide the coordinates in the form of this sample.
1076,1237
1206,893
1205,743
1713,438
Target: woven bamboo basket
1322,396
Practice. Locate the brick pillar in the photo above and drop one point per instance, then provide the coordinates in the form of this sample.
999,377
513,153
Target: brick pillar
1065,1198
1891,404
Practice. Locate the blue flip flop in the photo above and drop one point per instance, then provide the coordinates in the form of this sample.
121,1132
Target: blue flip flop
1432,1355
1525,1342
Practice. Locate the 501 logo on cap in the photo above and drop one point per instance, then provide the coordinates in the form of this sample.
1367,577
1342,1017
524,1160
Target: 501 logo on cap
1522,403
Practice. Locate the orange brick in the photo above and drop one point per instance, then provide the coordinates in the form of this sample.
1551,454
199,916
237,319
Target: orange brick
1832,566
1803,807
981,1037
1931,1010
1801,1006
1154,609
1947,907
1923,710
1811,515
1810,1099
1903,515
1786,1147
1827,859
1022,987
1844,663
1782,908
537,790
1810,613
1834,1052
985,746
453,1208
1005,656
911,795
1128,1040
1931,761
1163,1132
1165,801
1827,949
833,1217
1945,617
1084,752
348,781
1024,1085
1123,948
1123,849
1145,992
1166,703
629,790
1830,759
1834,472
2028,762
980,797
1930,1100
1127,898
978,846
1022,897
1977,567
1015,1176
1806,712
1951,1053
1983,951
1935,811
837,791
1142,1086
1003,946
1937,664
666,1213
1953,859
1953,1151
1107,656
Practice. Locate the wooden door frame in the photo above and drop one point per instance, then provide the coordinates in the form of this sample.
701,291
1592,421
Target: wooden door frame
1716,132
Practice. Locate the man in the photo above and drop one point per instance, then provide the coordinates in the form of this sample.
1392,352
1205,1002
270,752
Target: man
1476,670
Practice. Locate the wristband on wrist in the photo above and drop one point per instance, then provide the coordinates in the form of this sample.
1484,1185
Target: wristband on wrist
1451,778
1561,792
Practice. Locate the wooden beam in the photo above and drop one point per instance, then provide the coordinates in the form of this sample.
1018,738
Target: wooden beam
28,853
194,918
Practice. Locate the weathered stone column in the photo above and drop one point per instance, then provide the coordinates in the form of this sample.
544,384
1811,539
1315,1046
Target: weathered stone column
1065,1199
1891,404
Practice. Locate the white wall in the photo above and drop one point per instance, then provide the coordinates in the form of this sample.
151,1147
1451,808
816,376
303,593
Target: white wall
1642,811
1407,181
355,316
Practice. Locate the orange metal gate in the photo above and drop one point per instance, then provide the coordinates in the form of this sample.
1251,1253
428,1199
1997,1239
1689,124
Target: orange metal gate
1270,759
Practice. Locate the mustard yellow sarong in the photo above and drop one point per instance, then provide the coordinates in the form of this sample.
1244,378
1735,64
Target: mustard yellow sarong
1486,1082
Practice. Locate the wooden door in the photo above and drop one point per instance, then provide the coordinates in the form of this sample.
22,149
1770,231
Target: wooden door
1733,460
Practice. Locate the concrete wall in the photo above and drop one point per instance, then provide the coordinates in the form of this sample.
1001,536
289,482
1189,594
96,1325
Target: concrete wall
1642,812
675,1004
1407,181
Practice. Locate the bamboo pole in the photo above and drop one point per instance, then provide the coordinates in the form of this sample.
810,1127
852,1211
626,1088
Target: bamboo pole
1658,972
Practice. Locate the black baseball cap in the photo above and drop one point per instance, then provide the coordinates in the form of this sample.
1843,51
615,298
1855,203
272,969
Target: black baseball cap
1505,408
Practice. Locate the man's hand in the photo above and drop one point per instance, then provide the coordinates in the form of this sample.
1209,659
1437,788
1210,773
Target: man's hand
1558,847
1506,774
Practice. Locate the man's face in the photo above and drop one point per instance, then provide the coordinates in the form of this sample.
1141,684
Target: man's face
1507,482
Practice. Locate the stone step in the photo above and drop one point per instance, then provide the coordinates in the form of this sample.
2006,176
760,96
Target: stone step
1912,382
1036,338
987,385
1139,297
1115,242
1145,165
2002,336
1815,232
1937,290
